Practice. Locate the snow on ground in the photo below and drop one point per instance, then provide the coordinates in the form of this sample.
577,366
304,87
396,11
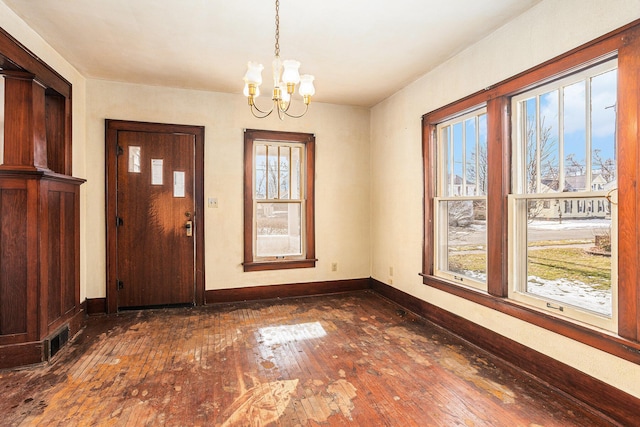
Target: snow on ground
569,292
570,224
573,293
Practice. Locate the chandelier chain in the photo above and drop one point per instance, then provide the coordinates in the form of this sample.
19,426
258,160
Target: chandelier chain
277,48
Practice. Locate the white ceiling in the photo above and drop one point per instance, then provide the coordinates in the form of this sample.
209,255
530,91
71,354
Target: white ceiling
360,51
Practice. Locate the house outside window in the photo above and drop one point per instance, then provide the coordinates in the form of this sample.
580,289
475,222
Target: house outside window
279,202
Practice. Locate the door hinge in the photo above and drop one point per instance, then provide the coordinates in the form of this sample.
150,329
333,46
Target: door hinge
120,284
119,221
119,150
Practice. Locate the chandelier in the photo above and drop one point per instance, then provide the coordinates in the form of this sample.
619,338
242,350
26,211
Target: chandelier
285,78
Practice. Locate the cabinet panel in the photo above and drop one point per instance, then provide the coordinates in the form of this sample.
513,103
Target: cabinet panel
54,291
13,261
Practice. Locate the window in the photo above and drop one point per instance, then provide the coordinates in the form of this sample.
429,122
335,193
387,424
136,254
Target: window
460,205
564,146
279,217
561,198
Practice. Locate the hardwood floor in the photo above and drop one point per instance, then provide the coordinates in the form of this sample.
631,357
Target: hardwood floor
348,359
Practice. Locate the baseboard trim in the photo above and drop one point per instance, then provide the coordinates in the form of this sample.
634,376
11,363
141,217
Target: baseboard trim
285,291
15,355
96,306
610,401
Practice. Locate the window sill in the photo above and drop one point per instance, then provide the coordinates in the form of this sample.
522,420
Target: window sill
596,338
279,265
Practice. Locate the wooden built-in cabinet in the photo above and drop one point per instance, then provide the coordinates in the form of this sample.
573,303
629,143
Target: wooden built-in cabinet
39,211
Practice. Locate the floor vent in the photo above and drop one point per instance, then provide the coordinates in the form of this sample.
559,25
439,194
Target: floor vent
57,341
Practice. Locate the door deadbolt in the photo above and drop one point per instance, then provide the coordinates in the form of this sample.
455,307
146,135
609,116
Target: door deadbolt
189,227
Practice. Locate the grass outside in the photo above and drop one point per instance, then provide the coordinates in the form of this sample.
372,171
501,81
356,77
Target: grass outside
550,263
465,248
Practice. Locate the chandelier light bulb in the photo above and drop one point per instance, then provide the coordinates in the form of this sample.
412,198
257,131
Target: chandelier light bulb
291,73
306,85
254,73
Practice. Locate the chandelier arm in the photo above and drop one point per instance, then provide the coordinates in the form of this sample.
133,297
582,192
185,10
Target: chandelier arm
294,116
263,113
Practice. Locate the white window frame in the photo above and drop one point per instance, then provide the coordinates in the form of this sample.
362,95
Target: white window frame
517,204
440,216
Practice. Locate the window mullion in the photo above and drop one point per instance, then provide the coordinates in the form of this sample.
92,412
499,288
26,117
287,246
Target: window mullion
279,196
451,170
477,159
587,100
464,158
561,172
538,127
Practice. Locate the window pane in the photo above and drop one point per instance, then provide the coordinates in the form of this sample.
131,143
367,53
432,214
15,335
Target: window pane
603,131
457,159
569,254
549,142
481,161
296,156
445,147
463,239
278,229
575,134
261,172
284,172
530,131
470,154
272,172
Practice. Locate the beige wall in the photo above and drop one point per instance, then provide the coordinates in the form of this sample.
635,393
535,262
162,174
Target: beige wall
549,29
342,173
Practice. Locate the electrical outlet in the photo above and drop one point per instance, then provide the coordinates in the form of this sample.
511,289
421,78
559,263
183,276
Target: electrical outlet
212,202
334,266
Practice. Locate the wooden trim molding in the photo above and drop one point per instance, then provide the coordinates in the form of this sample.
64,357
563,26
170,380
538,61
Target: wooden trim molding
285,291
25,354
610,401
15,56
309,260
601,340
96,306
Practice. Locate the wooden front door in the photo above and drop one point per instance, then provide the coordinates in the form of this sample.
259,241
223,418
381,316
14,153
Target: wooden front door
155,217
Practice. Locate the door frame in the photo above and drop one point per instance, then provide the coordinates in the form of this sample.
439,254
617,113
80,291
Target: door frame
112,127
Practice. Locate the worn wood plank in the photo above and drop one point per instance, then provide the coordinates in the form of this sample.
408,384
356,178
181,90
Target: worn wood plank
333,360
